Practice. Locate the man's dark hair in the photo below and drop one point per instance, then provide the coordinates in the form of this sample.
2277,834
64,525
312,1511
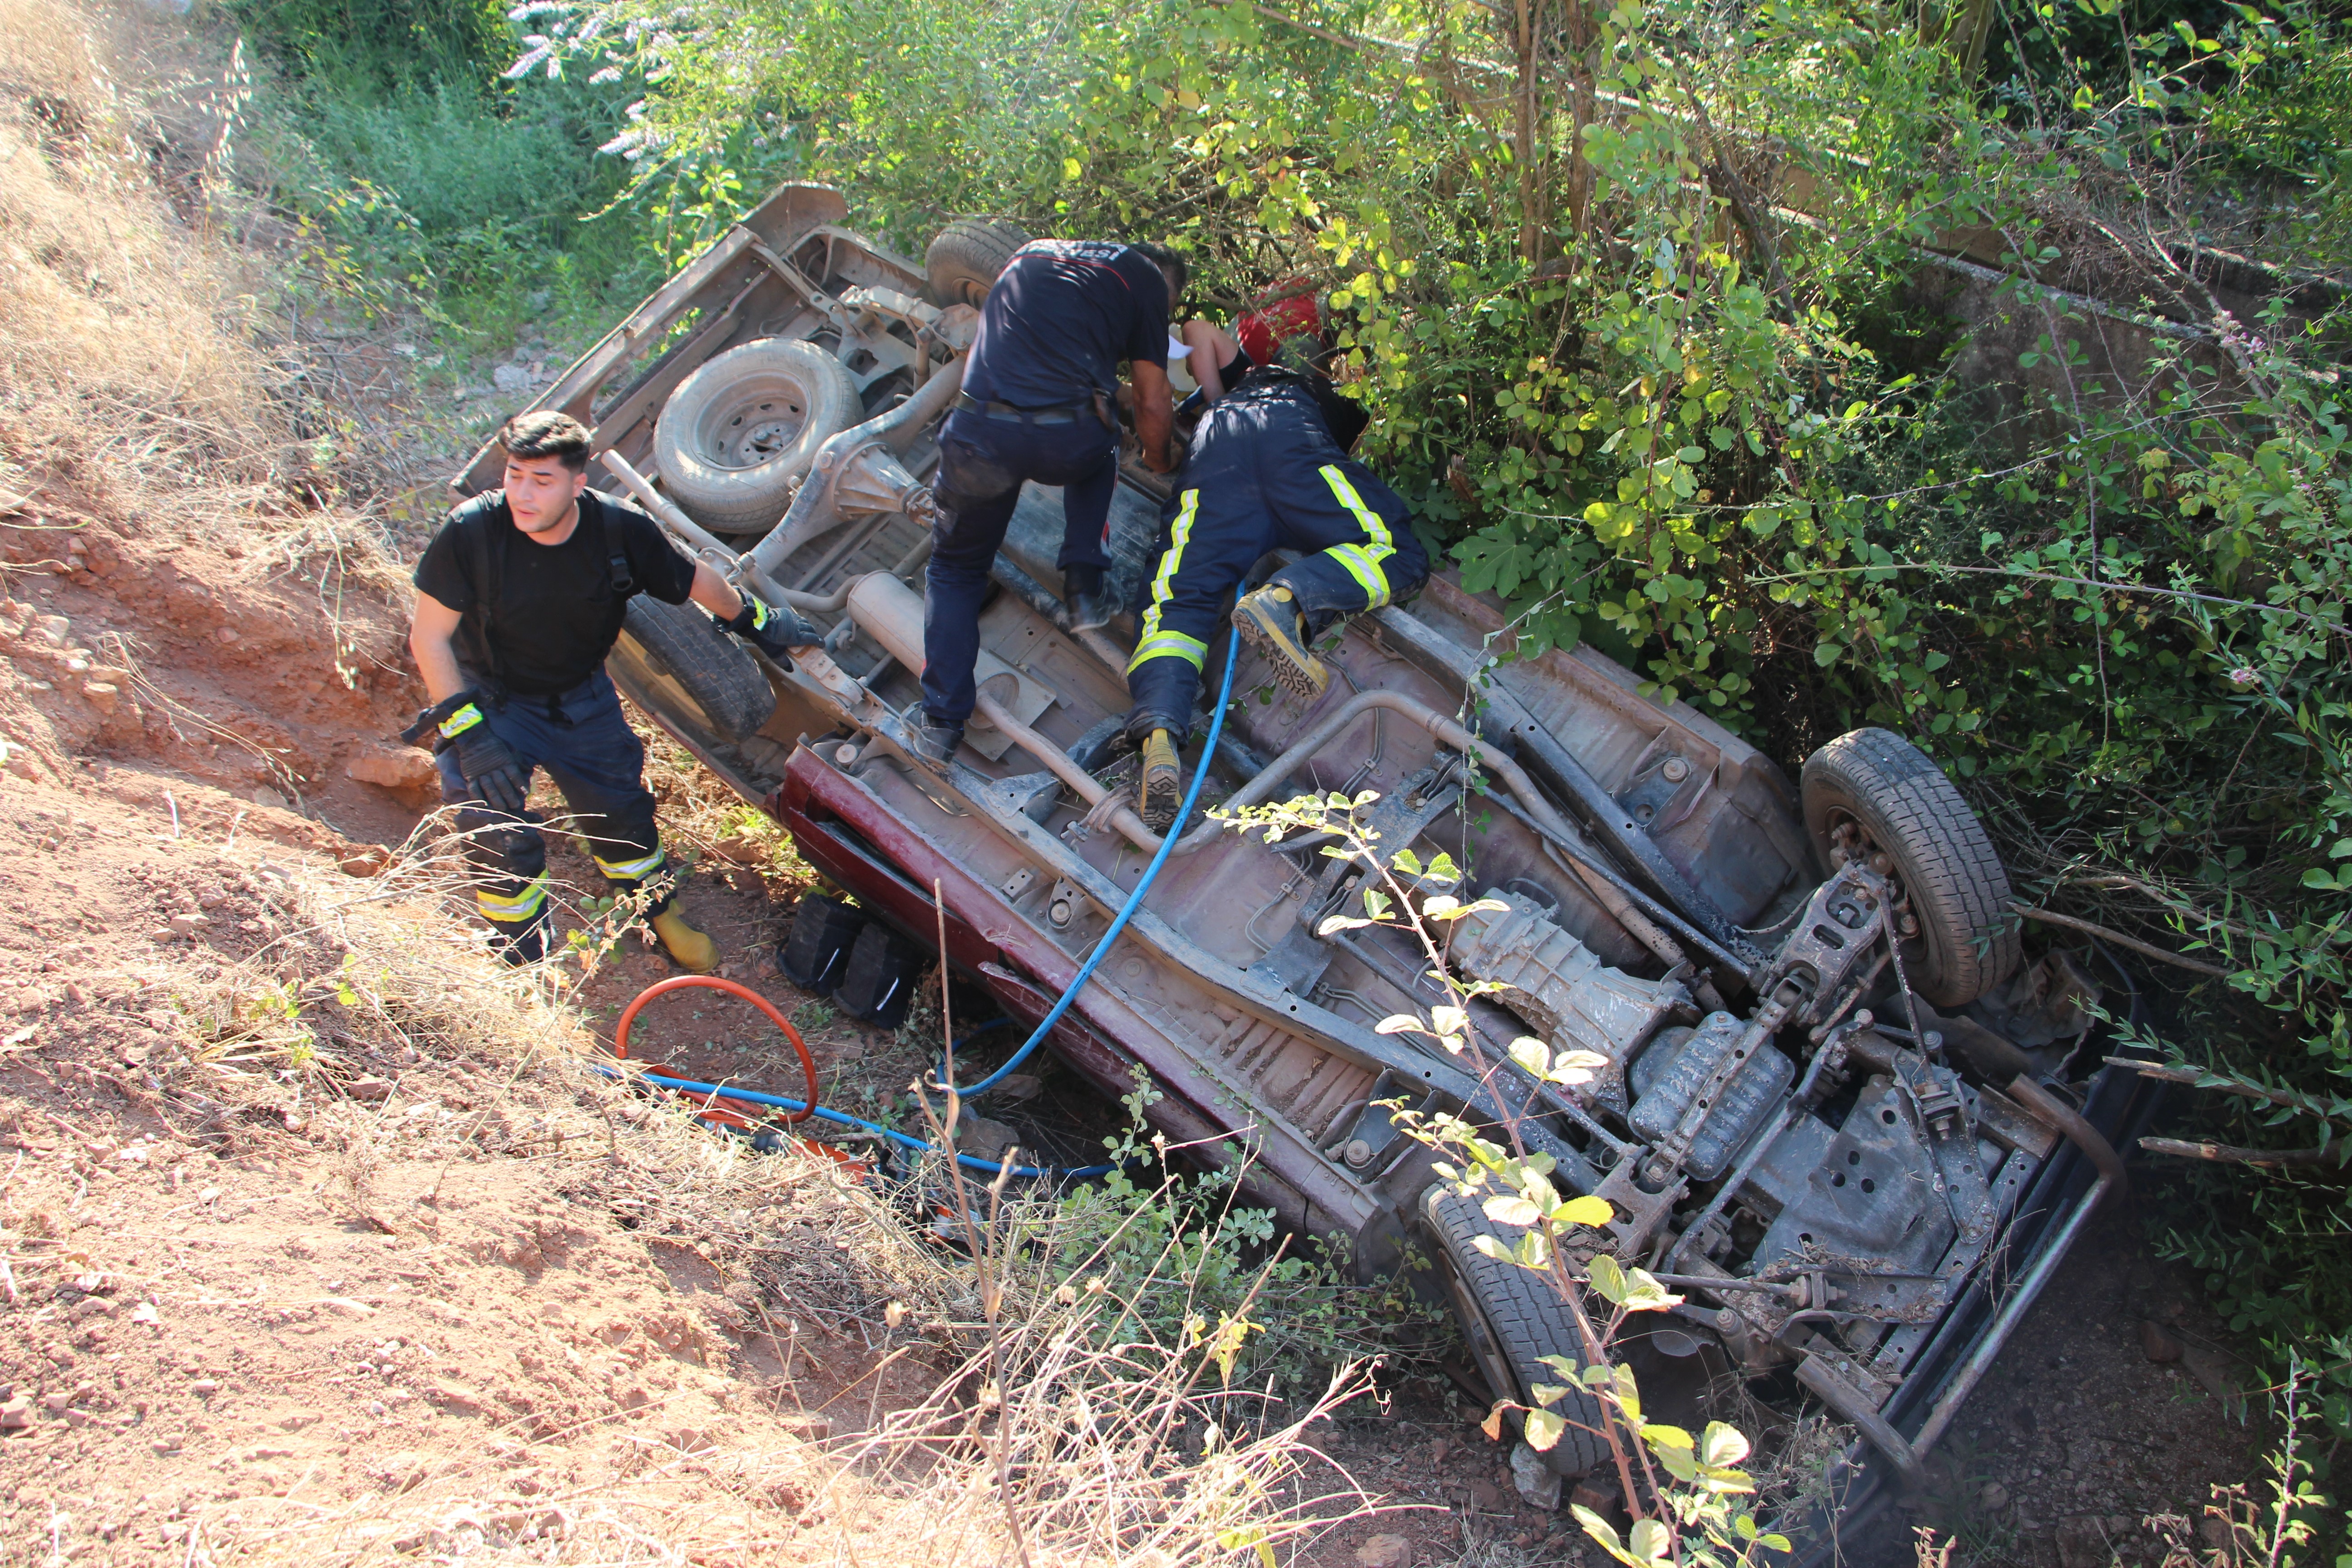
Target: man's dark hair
547,433
1168,261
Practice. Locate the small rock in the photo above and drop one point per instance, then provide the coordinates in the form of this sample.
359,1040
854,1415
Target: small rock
2213,1530
1015,1088
16,1414
1384,1551
368,1088
1484,1493
2158,1342
225,634
54,628
185,925
1598,1495
103,694
1533,1477
205,1387
264,796
54,1403
1993,1496
394,767
808,1427
511,378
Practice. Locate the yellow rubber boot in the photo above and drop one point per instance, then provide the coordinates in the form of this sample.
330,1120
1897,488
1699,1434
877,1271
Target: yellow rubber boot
687,948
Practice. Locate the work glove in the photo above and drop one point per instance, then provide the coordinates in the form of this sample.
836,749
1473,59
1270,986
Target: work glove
491,771
772,629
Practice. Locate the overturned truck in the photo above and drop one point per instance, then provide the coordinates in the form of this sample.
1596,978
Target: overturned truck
1837,1112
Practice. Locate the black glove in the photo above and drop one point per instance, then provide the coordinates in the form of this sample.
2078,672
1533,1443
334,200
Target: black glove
490,769
772,629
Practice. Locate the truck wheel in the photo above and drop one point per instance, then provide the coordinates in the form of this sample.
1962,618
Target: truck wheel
734,439
677,655
965,258
1513,1318
1873,794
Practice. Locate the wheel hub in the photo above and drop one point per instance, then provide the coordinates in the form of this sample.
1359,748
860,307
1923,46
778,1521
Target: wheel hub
758,432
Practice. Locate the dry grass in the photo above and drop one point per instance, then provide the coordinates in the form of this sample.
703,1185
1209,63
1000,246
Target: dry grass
1102,1442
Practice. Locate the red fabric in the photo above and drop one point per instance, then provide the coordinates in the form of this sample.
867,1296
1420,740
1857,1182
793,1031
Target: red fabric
1288,309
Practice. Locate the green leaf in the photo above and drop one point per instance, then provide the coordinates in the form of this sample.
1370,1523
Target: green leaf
1441,907
1586,1211
1660,1437
1550,1393
1339,922
1650,1539
1608,1278
1562,1365
1532,1054
1399,1024
1601,1530
1510,1208
1543,1429
1722,1444
1827,654
1489,1246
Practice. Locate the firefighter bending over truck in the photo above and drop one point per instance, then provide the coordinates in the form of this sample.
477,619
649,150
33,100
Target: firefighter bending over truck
518,599
1264,471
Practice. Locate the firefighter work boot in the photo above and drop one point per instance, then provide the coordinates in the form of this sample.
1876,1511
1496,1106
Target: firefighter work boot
689,949
1269,621
520,944
1158,783
935,743
1088,598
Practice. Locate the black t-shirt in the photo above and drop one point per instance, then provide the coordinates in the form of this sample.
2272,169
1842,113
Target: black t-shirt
557,612
1343,415
1061,315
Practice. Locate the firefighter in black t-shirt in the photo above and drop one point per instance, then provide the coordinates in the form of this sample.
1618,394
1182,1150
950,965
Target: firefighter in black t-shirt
1038,388
519,599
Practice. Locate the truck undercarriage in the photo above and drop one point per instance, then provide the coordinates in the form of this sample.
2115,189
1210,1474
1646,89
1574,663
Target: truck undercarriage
1834,1110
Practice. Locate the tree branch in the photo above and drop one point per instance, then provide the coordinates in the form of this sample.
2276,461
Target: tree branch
2150,950
2335,1155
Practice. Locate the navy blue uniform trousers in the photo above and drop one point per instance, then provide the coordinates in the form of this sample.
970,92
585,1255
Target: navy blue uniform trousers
1263,473
984,460
584,744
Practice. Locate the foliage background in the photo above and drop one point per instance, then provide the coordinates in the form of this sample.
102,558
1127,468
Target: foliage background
1638,297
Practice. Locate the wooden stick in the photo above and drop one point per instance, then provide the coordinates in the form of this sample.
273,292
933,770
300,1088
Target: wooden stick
2162,955
2337,1154
2196,1079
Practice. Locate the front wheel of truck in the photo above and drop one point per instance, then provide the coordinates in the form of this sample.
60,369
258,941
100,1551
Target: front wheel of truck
678,658
1513,1318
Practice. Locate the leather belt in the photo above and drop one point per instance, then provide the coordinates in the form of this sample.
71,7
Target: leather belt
1066,414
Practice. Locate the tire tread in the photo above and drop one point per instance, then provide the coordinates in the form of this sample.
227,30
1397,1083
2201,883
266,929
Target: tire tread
1528,1319
714,671
1958,884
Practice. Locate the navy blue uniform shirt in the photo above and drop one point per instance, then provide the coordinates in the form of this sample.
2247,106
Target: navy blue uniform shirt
1061,317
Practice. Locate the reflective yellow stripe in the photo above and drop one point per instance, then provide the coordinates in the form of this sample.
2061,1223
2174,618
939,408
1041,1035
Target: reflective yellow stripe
1365,570
630,870
1169,645
1163,581
521,907
463,719
1362,562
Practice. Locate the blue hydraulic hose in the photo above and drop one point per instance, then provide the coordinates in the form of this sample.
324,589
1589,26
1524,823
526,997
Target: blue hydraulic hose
824,1113
1135,899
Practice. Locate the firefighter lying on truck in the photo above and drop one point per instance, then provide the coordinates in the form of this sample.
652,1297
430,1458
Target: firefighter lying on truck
519,599
1267,467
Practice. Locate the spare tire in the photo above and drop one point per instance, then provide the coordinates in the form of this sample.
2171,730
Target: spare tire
966,256
675,656
1513,1318
1873,793
734,439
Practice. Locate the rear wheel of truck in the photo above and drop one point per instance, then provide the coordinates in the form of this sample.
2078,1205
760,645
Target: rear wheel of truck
1874,794
676,656
734,439
1513,1318
965,258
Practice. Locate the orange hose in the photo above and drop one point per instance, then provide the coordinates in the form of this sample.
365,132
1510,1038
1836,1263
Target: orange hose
681,981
